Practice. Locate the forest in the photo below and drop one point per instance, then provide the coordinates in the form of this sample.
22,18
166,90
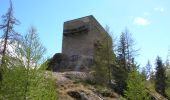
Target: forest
23,74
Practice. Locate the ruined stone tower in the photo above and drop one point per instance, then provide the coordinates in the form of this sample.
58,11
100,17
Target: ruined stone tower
79,37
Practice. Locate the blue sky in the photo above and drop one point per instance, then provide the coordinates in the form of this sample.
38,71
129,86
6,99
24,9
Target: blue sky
147,20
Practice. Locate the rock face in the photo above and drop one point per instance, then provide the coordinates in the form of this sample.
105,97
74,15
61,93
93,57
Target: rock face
58,62
70,87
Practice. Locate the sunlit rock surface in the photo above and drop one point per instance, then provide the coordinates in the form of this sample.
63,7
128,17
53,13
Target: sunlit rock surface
70,87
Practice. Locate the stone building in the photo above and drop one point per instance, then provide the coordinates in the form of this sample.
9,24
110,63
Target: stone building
79,38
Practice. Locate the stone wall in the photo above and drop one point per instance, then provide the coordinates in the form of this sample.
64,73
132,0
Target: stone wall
79,37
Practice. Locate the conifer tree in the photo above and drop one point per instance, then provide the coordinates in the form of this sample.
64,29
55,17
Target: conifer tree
9,35
126,50
27,82
30,49
124,60
160,77
135,87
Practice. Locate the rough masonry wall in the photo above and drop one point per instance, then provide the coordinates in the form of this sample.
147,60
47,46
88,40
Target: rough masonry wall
80,43
79,46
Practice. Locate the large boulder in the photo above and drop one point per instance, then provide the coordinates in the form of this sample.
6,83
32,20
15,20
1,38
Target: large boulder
59,62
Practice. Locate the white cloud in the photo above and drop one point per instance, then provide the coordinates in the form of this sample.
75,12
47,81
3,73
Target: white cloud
146,14
141,21
159,9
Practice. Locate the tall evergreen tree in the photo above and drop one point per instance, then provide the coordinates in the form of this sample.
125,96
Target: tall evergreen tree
126,50
160,77
125,59
120,76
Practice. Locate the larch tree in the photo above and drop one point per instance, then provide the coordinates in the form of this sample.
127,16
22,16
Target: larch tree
104,58
29,54
27,81
30,49
110,52
9,35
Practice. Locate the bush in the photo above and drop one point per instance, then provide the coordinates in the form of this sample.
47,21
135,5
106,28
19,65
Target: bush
19,83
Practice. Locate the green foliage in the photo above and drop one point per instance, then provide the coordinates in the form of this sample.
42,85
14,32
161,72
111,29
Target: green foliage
160,77
120,76
135,87
45,65
13,84
144,73
124,61
147,71
103,59
22,80
126,50
30,49
36,85
167,90
41,86
121,98
101,68
152,77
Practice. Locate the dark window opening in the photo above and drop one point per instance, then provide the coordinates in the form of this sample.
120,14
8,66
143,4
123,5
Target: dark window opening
75,58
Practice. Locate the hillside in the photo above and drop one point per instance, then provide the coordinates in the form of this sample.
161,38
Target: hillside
74,86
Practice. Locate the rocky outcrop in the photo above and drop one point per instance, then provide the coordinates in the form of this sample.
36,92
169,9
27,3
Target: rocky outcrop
71,87
59,62
83,95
